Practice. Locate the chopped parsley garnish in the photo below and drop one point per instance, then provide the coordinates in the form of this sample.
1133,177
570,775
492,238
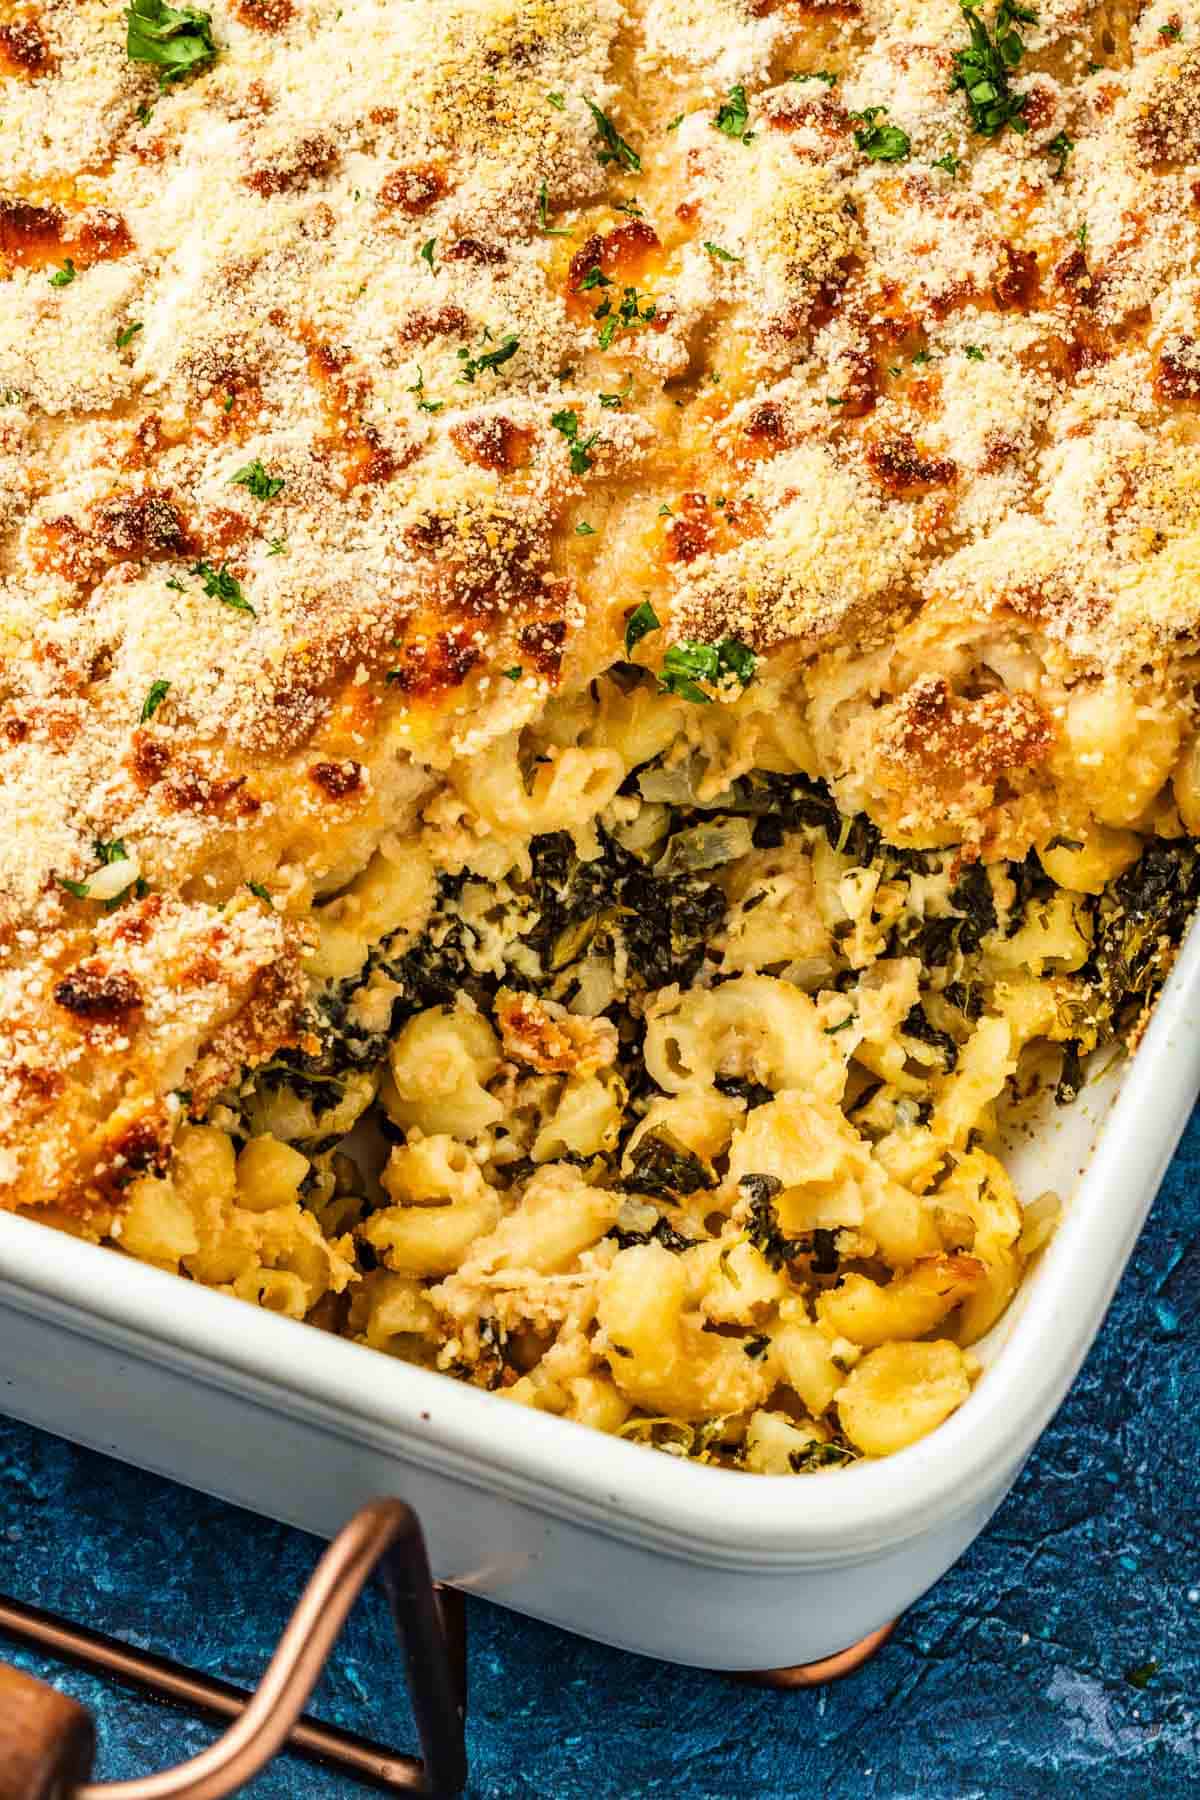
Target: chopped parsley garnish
632,312
676,122
716,251
277,547
220,585
632,208
613,148
567,421
641,621
261,893
595,278
609,401
426,251
824,75
157,693
842,1025
255,478
583,529
880,143
1170,33
973,353
685,666
982,70
921,357
126,336
546,229
142,115
1061,146
558,101
733,116
418,388
78,890
950,163
513,674
177,40
1142,1674
109,851
487,359
835,400
1081,234
65,276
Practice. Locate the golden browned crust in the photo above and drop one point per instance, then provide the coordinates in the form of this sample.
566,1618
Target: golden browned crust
355,389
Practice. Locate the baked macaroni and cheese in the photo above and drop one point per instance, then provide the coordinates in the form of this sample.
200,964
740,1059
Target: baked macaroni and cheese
601,608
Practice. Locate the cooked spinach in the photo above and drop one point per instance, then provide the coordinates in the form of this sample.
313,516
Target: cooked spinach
663,1166
916,1025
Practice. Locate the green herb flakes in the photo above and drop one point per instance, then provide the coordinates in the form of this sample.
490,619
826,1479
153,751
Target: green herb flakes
613,148
220,585
155,696
982,70
257,481
567,422
685,666
880,143
546,229
733,116
641,621
177,41
487,359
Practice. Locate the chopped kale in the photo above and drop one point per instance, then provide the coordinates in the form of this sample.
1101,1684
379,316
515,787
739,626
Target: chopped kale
662,1232
917,1025
1071,1077
662,1166
664,922
1140,919
762,1226
822,1456
1032,884
738,1087
937,940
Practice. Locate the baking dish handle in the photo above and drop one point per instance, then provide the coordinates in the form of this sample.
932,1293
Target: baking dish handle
47,1742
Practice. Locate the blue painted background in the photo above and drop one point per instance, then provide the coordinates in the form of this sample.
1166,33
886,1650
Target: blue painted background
1009,1679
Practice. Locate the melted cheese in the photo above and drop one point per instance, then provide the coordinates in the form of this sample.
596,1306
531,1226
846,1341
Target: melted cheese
512,384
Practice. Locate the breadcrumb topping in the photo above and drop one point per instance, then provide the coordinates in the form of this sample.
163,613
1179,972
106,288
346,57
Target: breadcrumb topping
357,386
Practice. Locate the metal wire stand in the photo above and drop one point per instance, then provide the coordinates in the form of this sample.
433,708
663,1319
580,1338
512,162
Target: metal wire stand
47,1742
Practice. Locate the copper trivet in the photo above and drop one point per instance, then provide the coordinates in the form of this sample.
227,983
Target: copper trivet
828,1668
47,1742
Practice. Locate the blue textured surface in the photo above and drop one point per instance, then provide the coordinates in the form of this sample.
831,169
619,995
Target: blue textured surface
1009,1679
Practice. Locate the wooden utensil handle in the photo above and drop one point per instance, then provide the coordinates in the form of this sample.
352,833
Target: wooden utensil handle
47,1742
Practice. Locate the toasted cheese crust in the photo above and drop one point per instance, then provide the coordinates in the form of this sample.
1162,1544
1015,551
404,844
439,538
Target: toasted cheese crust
355,389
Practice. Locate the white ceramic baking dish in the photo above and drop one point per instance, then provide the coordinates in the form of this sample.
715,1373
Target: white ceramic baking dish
701,1565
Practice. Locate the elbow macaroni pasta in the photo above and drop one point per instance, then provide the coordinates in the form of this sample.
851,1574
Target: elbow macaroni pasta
718,732
739,1214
